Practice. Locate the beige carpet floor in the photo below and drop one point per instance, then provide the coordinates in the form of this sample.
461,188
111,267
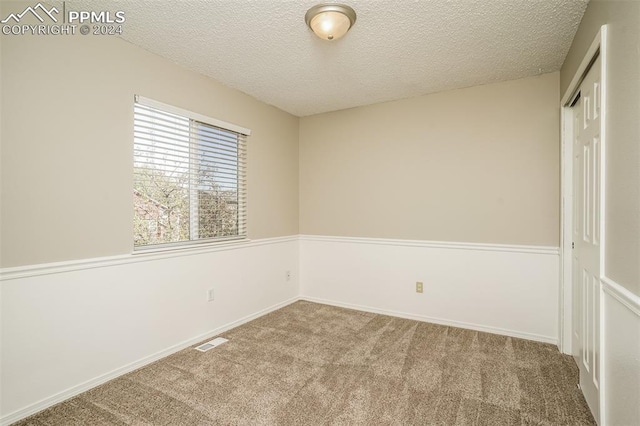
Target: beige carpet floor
312,364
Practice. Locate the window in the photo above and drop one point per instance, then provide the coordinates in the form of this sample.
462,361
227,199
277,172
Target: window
189,177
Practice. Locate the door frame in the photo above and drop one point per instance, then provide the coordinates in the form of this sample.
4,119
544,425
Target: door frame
597,48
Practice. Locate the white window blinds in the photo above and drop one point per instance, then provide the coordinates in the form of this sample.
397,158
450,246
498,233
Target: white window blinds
189,177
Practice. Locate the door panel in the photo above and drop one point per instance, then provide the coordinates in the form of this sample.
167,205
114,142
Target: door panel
586,235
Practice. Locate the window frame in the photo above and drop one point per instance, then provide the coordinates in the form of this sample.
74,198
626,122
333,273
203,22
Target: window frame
198,243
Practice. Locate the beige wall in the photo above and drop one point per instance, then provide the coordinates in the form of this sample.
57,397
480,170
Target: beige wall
67,136
473,165
622,243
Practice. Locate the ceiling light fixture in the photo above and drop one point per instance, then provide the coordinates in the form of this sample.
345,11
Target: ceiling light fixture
330,21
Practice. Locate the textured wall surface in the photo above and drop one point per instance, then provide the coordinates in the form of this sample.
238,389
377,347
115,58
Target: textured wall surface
470,165
622,243
67,145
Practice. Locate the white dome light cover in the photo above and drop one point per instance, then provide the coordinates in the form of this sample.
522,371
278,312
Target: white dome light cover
330,21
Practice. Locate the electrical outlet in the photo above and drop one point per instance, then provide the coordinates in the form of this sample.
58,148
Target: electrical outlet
419,287
288,275
210,295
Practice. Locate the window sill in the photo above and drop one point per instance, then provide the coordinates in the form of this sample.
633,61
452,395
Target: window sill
190,247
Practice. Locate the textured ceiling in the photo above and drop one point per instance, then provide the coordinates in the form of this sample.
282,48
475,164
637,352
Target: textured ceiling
396,49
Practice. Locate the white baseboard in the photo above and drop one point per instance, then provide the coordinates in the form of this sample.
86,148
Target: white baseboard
510,290
89,384
423,318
